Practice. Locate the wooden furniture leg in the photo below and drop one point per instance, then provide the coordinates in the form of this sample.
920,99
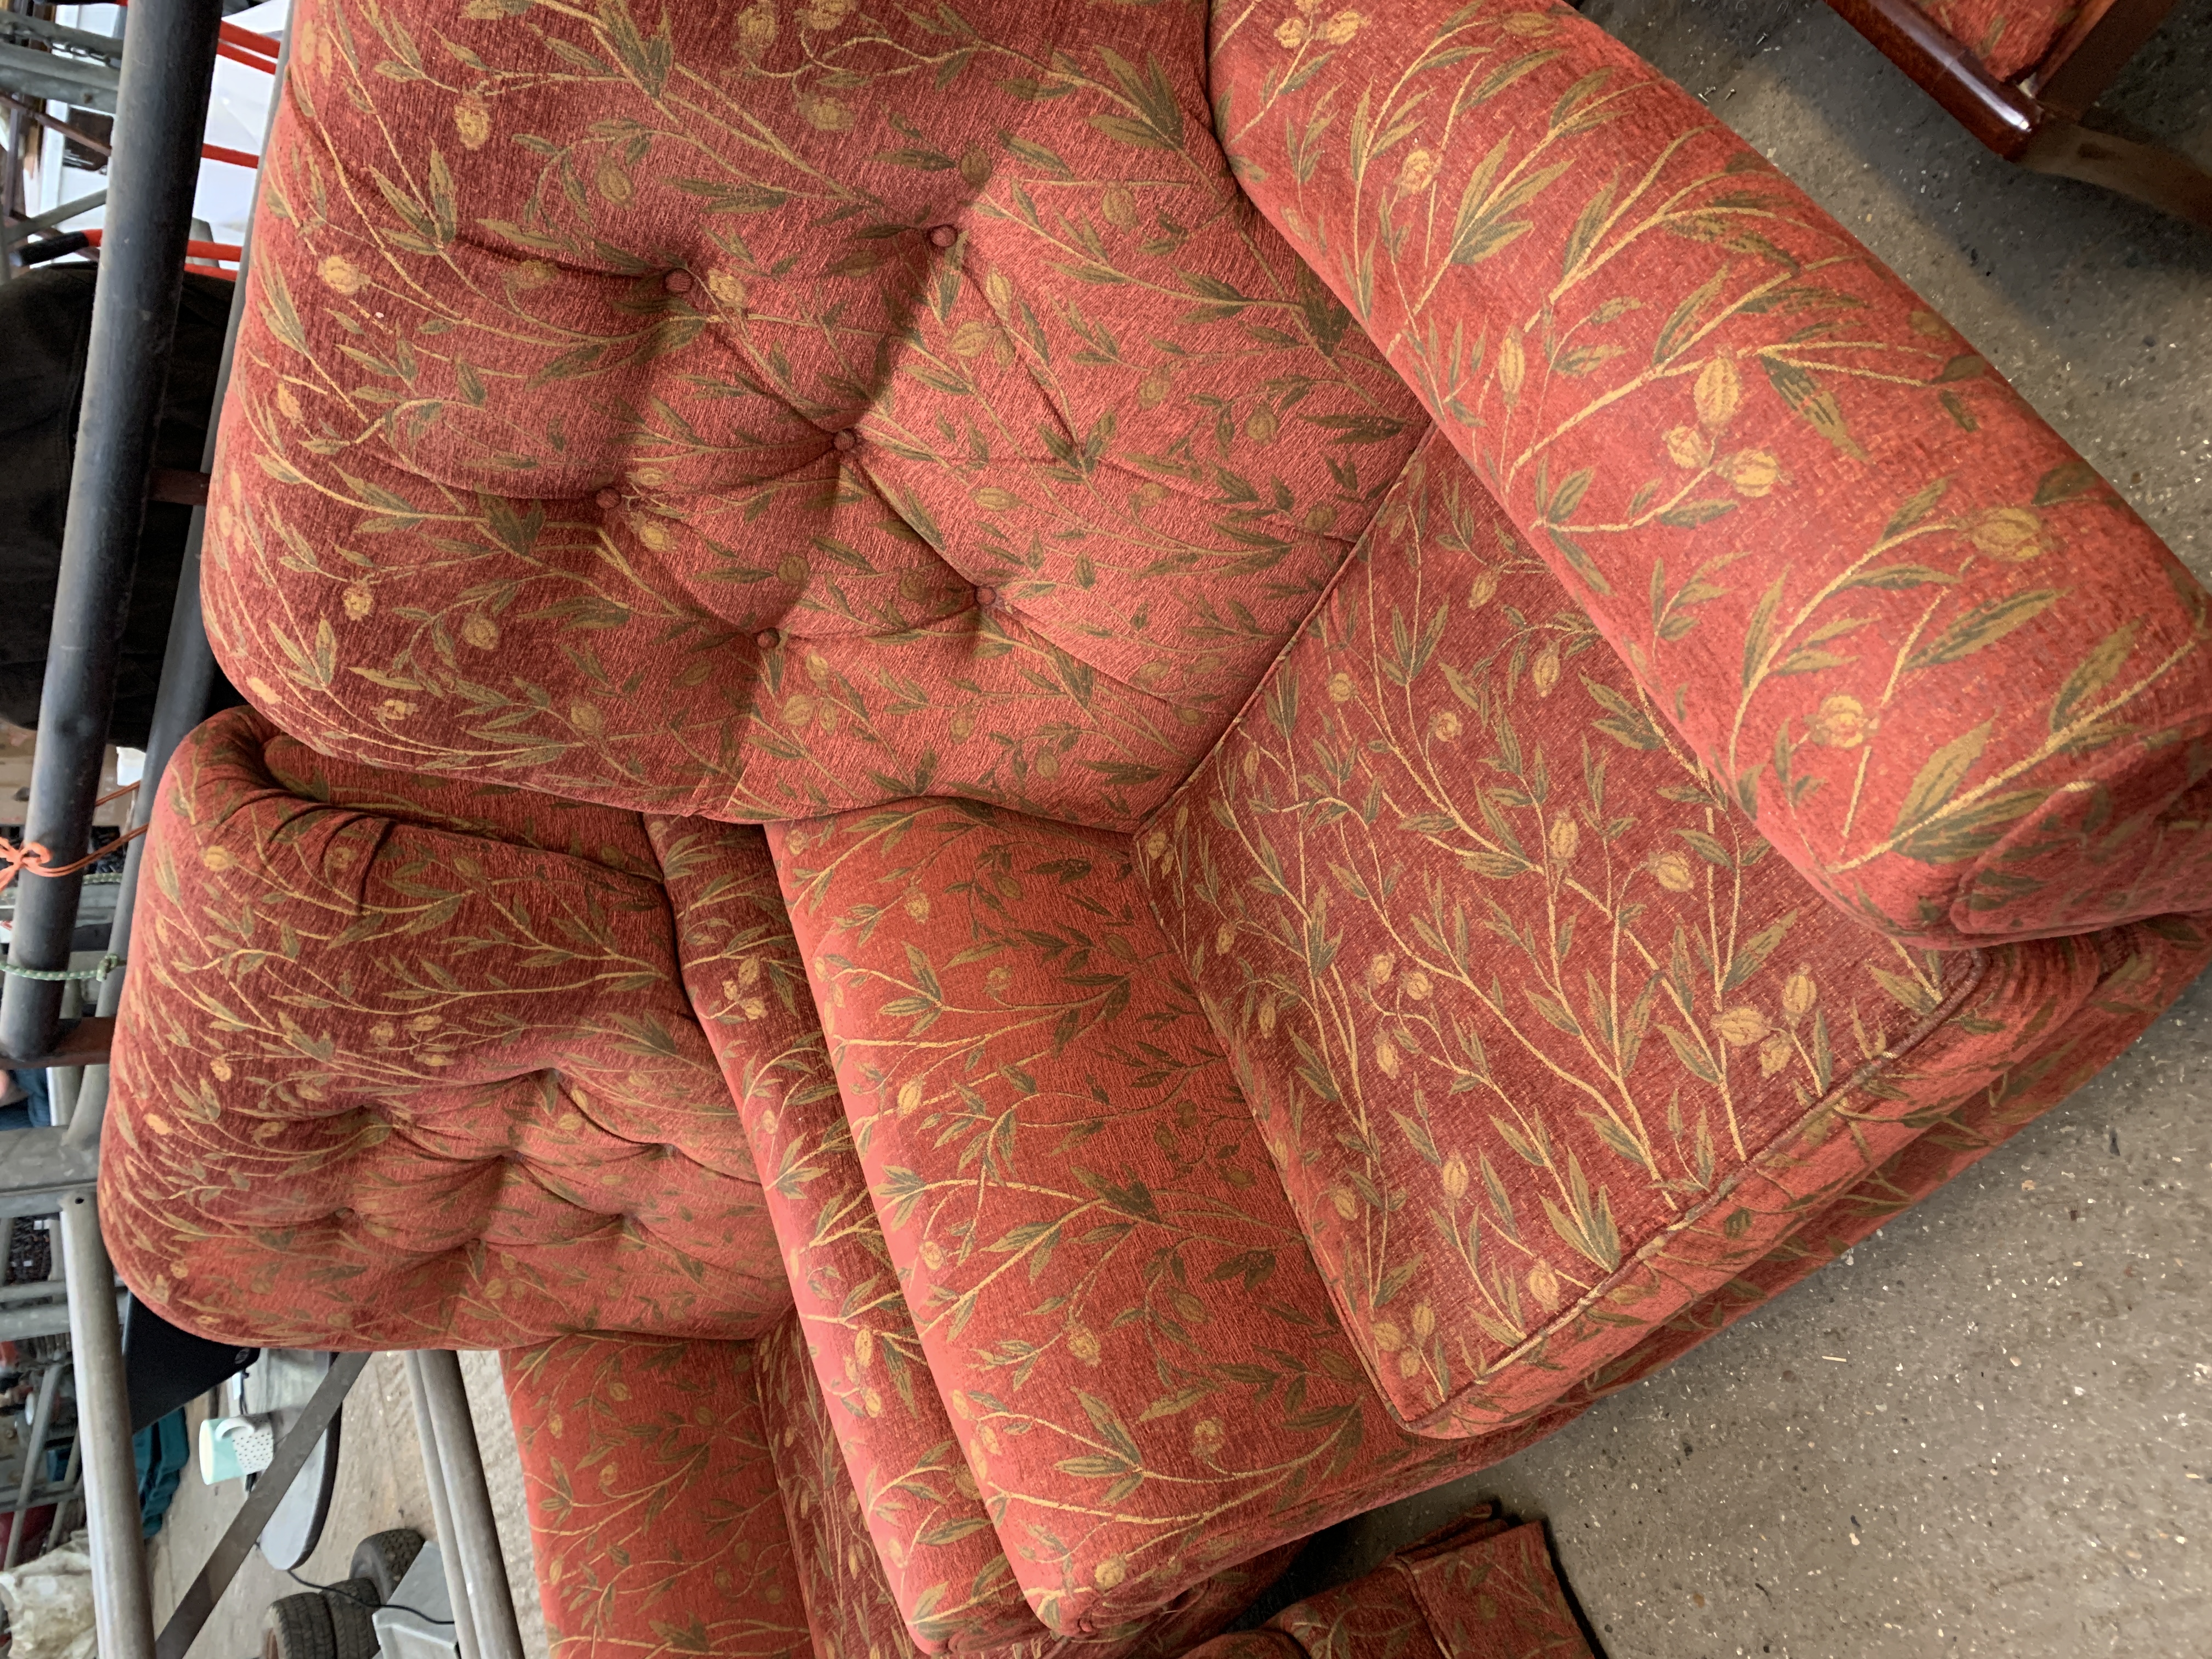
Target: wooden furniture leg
2022,126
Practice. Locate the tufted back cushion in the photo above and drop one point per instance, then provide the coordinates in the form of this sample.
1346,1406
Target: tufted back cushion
406,1062
755,415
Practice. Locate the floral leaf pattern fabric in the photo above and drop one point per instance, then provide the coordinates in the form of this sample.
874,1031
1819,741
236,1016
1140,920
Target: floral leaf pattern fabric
1543,1042
2134,973
406,1062
1113,1295
2009,36
755,417
1483,1589
1946,672
853,1610
928,1536
947,1577
654,1517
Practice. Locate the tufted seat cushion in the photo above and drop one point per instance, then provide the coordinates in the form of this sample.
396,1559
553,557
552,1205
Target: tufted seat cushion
753,418
407,1061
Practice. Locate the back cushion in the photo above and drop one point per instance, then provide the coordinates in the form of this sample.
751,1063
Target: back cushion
757,415
392,1072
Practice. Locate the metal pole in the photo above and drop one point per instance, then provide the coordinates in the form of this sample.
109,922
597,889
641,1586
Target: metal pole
187,670
168,64
42,1419
476,1537
49,1319
246,1526
441,1512
24,230
66,80
36,1290
123,1599
42,1168
39,1500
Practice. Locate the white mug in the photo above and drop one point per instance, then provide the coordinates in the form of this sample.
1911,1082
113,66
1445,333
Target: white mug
233,1446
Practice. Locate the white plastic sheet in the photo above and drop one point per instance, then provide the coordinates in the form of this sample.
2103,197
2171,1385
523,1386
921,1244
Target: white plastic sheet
49,1602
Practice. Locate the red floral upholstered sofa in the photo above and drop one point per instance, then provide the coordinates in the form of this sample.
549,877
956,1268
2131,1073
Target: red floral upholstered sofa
1417,738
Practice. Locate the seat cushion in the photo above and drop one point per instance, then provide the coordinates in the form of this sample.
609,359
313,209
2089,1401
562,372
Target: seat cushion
928,1533
855,1612
406,1061
654,1517
2010,36
1544,1042
1140,1364
1941,664
947,1577
816,433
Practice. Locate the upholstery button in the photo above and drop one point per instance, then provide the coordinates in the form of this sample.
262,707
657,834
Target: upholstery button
677,282
608,499
943,236
847,440
987,597
768,639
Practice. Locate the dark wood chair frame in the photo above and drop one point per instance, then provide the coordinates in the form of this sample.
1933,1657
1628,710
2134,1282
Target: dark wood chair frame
2036,121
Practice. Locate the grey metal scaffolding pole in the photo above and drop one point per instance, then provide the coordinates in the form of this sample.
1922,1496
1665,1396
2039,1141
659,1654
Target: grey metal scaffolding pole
475,1542
441,1511
168,64
123,1596
187,678
34,1453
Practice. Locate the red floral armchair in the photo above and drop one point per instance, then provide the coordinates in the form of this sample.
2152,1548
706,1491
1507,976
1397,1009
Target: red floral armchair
1418,737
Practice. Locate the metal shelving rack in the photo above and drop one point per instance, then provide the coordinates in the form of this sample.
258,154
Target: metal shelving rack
159,93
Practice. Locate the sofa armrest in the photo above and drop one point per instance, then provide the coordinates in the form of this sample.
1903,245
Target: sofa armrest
1946,670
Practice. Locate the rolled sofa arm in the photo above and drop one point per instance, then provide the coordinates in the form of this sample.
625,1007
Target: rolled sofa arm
1952,677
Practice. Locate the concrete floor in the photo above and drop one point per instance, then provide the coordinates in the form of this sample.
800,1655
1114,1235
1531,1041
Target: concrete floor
1989,1433
380,1485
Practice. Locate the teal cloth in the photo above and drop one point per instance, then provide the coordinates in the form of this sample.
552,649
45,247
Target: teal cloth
160,1451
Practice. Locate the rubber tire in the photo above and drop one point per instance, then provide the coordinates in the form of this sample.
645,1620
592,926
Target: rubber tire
299,1627
383,1559
354,1631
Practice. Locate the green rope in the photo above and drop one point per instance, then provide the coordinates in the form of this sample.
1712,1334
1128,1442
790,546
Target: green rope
108,964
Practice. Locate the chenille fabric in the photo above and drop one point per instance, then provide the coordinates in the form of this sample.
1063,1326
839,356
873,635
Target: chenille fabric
405,1061
756,414
929,1536
1418,738
1930,655
655,1522
853,1610
1482,1589
1545,1042
2010,36
1143,1370
1249,1645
